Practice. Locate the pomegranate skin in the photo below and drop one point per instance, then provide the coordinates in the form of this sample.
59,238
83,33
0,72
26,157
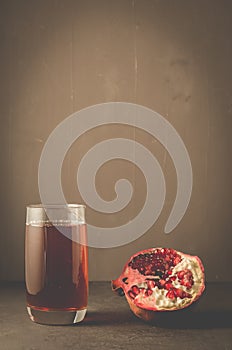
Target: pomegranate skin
160,279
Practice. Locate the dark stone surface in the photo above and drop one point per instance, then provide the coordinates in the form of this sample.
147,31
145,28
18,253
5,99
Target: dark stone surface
110,324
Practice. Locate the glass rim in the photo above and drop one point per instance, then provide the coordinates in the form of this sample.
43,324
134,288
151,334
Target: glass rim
55,206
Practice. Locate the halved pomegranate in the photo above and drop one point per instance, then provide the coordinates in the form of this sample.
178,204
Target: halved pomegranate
160,279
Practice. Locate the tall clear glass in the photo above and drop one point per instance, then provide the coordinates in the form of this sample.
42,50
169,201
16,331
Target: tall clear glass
56,263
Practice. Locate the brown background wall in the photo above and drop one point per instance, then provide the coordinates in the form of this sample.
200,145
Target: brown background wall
58,57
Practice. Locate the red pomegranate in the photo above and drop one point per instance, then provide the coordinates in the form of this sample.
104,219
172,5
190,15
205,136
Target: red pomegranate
160,279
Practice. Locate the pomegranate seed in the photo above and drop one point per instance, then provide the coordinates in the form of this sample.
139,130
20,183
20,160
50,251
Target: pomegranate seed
188,285
148,292
168,286
135,290
177,260
189,273
150,284
162,282
170,294
173,278
131,294
179,293
148,272
181,274
186,295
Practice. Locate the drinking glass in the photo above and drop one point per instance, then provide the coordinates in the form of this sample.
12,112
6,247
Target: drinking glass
56,263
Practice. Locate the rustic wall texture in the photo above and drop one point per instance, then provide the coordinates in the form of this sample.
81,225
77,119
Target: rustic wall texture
173,56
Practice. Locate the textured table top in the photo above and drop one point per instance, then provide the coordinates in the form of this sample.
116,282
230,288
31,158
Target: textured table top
110,324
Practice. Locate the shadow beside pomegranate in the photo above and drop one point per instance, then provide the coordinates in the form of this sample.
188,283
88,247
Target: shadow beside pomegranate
184,319
212,310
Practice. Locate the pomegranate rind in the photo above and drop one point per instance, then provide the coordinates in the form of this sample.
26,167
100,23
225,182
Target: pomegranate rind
144,307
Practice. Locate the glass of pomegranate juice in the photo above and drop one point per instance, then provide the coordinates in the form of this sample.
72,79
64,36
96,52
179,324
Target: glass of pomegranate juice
56,263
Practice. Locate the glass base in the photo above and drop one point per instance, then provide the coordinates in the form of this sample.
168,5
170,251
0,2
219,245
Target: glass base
56,317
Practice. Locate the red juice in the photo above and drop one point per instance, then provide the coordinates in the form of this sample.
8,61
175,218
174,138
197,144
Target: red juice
56,267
